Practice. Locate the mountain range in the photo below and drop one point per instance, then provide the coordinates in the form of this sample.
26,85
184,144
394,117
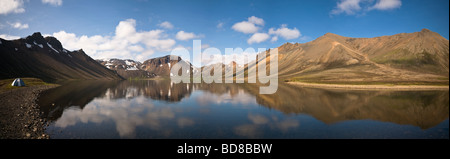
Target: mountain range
421,57
407,57
126,68
148,69
45,58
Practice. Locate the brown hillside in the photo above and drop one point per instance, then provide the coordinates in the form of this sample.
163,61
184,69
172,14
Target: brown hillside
419,57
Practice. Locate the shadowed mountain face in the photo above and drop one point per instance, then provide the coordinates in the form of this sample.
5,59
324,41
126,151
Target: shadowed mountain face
420,56
424,109
45,58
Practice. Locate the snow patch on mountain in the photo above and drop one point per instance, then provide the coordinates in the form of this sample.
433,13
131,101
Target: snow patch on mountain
40,45
51,47
129,63
28,45
133,68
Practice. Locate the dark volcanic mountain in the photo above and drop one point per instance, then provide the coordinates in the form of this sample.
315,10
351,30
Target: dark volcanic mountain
45,58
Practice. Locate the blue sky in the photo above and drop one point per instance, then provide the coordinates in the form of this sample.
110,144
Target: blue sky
142,29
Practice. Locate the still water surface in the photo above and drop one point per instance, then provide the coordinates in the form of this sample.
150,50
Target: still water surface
161,109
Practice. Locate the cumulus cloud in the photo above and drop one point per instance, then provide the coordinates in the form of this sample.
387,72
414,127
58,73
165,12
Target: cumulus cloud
245,27
208,58
126,28
9,37
254,24
53,2
256,20
220,25
166,25
126,43
250,26
182,35
285,32
11,6
274,39
352,7
18,25
305,38
386,4
258,38
348,7
205,46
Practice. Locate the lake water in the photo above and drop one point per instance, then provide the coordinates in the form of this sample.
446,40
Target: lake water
161,109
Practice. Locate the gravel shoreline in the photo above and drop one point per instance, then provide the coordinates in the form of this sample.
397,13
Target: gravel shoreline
20,117
370,87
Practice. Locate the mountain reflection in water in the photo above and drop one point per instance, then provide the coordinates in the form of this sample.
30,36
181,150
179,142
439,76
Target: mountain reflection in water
162,109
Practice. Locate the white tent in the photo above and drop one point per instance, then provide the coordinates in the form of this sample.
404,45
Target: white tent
18,82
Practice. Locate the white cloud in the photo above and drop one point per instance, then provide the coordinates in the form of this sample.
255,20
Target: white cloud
144,55
208,58
160,44
220,25
253,24
348,7
126,43
274,39
166,25
256,20
245,27
9,37
11,6
181,35
250,26
285,32
305,38
53,2
136,48
386,4
126,28
205,46
18,25
352,7
258,38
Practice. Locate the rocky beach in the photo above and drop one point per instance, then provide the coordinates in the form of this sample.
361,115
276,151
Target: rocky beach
20,117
